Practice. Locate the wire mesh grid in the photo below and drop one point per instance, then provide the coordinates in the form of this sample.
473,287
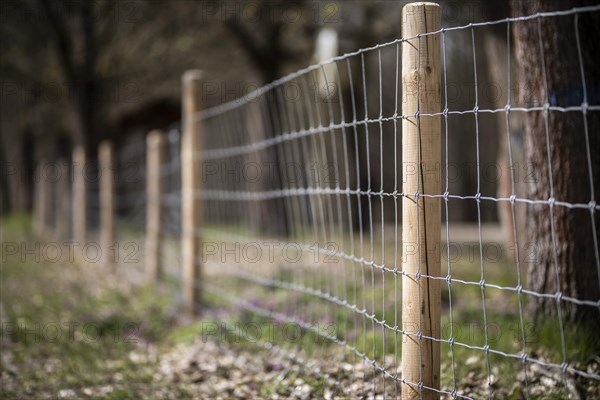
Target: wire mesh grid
302,191
302,219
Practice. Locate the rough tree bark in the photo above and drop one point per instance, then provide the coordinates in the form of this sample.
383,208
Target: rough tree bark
78,63
569,253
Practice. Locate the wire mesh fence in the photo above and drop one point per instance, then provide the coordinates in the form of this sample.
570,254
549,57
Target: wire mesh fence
302,186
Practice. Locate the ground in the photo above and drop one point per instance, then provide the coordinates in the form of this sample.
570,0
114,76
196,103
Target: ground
70,331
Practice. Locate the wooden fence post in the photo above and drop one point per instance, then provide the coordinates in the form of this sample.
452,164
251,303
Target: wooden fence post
155,154
38,212
61,196
421,216
107,215
190,172
79,200
45,198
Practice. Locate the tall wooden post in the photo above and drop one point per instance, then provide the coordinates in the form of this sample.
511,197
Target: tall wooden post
45,197
155,154
61,231
190,171
79,198
107,214
38,208
421,216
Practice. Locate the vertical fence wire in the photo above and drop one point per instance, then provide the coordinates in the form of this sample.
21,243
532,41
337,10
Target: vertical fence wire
301,181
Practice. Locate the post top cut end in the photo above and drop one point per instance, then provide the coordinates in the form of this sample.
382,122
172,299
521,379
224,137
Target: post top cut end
192,75
422,4
155,137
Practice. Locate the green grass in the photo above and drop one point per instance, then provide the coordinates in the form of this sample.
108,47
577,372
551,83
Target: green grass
109,322
502,324
64,329
37,295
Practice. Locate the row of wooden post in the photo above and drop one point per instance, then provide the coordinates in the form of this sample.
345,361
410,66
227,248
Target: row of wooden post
79,217
46,190
421,215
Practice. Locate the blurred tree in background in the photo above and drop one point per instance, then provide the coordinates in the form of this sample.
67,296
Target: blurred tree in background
78,71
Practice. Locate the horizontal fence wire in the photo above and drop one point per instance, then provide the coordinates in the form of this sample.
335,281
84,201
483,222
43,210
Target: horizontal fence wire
302,196
338,145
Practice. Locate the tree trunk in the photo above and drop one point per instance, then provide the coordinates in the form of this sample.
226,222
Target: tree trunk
560,238
495,52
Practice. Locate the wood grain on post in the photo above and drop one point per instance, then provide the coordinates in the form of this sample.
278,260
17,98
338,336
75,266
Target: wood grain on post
421,216
107,213
155,143
79,199
191,205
